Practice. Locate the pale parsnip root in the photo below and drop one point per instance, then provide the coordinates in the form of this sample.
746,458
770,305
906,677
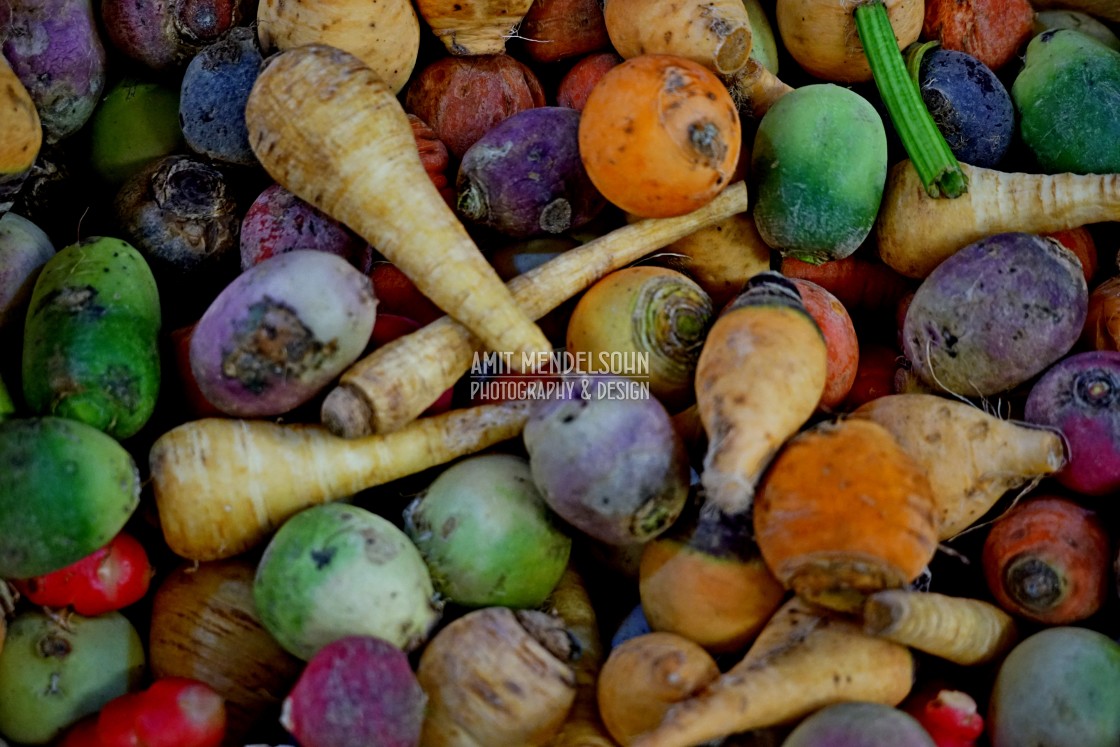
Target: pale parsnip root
971,458
474,27
915,232
394,384
804,660
330,131
963,631
715,33
223,485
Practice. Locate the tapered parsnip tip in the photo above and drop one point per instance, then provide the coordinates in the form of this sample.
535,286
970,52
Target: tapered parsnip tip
346,413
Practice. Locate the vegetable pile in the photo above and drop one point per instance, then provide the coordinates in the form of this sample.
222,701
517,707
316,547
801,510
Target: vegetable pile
560,373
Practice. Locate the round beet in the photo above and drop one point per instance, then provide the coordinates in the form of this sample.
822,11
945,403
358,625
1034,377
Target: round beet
213,94
278,222
859,724
359,691
525,176
1080,396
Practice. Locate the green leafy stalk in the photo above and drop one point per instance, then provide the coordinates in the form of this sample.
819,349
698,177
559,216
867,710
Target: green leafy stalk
933,160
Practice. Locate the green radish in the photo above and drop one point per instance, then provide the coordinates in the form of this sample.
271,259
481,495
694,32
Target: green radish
7,407
136,122
337,570
1068,99
90,349
53,674
66,489
820,164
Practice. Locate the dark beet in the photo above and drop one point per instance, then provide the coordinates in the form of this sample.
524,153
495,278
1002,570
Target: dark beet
166,34
180,213
212,98
970,106
359,691
525,177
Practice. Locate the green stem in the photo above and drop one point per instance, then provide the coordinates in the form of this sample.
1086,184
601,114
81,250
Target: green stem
933,160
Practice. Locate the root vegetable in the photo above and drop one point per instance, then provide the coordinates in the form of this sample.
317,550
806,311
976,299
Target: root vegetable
1102,319
524,176
859,725
755,89
995,314
272,339
705,580
643,677
866,287
970,457
305,92
136,122
613,468
915,232
172,711
835,533
1078,396
166,34
1045,20
660,135
221,486
557,30
992,31
335,571
763,361
643,313
576,85
205,626
24,250
496,678
486,534
385,35
714,34
951,717
395,383
840,337
23,135
1047,560
964,631
802,661
473,27
356,692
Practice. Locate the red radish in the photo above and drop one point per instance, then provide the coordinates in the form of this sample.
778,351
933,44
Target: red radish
173,712
83,734
396,294
576,85
561,29
1079,241
111,578
359,691
197,406
950,717
839,337
875,374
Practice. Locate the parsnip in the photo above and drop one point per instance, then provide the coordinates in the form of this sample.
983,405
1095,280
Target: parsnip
1108,10
395,383
715,33
222,485
964,631
329,130
804,660
916,232
23,134
971,458
473,27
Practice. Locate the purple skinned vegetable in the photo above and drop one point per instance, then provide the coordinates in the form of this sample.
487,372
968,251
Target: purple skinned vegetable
165,34
1080,396
213,94
54,48
524,177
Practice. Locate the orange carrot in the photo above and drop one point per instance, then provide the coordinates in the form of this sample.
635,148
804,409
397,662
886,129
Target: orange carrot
803,660
560,29
1102,322
222,485
705,580
839,337
992,31
1047,560
330,131
832,529
644,676
395,383
963,631
759,378
863,285
916,232
574,88
659,135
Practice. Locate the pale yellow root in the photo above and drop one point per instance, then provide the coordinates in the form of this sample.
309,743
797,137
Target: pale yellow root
384,34
971,458
963,631
394,384
754,89
1108,10
823,39
473,27
223,485
715,33
802,661
22,132
758,380
915,232
332,132
583,728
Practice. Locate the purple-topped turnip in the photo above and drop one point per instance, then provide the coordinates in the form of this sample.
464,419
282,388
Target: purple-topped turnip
524,176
